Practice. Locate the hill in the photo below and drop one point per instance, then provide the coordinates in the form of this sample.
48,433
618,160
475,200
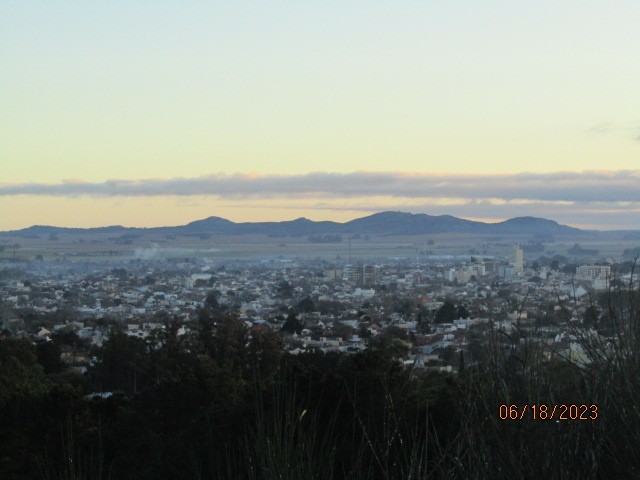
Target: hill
383,223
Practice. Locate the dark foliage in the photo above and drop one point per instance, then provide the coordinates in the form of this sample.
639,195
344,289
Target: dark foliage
446,313
227,402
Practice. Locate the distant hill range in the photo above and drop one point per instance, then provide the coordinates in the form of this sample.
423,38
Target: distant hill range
384,223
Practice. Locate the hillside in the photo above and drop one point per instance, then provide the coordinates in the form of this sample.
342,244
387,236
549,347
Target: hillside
383,223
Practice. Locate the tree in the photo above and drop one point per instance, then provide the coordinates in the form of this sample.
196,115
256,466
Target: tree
306,305
591,316
394,331
292,324
461,362
222,337
446,313
364,331
20,374
265,351
284,289
343,330
49,357
120,362
229,343
212,299
462,312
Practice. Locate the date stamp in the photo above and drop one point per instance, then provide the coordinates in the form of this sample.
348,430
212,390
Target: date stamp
542,411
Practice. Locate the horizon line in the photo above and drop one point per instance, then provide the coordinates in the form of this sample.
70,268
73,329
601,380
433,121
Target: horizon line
475,220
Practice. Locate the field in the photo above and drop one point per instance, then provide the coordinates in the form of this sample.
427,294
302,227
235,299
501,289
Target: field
109,248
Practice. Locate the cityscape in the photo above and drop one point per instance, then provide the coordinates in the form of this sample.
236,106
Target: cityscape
434,306
120,317
319,240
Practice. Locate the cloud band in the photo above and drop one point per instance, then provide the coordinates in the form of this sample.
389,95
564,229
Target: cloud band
590,186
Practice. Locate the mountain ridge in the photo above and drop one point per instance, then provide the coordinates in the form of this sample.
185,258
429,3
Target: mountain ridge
380,223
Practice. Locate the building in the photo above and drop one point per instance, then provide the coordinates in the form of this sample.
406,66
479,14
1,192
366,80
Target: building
198,279
516,260
332,274
594,271
465,274
363,275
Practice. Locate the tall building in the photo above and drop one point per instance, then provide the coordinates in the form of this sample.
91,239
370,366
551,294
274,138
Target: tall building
516,260
362,275
332,274
594,271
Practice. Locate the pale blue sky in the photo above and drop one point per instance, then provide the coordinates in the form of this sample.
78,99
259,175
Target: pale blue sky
93,91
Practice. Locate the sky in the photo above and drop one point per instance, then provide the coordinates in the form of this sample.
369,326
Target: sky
153,113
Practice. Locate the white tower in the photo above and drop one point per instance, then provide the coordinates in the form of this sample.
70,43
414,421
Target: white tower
516,260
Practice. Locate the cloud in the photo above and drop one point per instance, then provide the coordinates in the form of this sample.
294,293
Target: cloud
591,199
629,130
600,128
589,186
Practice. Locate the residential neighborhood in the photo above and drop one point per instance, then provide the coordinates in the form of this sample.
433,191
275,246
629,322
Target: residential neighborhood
439,312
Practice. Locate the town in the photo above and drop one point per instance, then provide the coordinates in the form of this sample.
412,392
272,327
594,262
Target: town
436,312
200,364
